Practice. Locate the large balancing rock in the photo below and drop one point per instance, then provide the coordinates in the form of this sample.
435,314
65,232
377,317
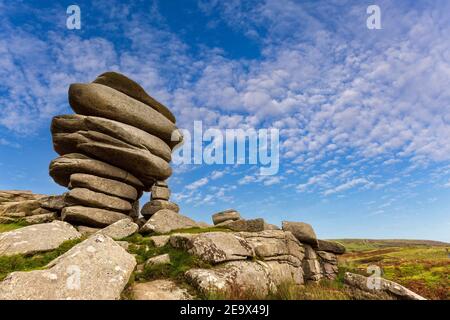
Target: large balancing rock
98,100
124,132
129,87
63,167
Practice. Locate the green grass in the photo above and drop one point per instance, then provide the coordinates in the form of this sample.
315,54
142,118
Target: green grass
37,261
12,226
181,261
425,269
288,290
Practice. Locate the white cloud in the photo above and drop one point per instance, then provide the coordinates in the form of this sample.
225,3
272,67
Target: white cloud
346,186
197,184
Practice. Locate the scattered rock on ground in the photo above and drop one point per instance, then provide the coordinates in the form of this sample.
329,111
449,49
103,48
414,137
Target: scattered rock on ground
159,290
161,259
380,285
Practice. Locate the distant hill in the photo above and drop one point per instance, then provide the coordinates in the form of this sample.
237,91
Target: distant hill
371,244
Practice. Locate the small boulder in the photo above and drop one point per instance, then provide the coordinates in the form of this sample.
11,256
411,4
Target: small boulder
380,285
36,238
150,208
161,259
160,193
120,229
165,221
160,241
226,215
302,231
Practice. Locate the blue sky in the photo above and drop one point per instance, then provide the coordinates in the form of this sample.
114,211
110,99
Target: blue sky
364,115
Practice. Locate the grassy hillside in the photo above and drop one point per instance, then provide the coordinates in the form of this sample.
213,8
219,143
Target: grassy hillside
420,265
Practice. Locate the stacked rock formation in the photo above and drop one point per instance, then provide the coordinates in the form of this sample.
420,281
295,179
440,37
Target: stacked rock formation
117,145
160,195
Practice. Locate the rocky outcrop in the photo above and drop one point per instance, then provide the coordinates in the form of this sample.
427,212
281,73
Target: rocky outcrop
36,238
214,247
96,269
117,145
378,286
275,245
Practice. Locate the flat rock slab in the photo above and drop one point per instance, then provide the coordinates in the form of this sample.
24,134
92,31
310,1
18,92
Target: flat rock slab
36,238
304,232
63,167
89,198
214,247
159,290
120,229
103,185
129,134
96,269
91,217
165,221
